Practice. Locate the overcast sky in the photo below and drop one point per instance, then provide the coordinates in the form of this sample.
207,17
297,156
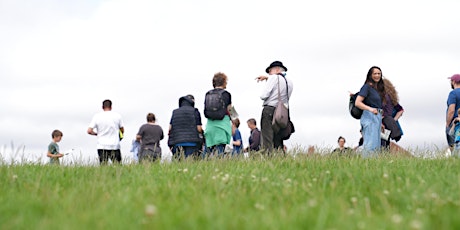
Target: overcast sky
60,59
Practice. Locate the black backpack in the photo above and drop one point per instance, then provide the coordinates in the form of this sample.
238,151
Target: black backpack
354,111
214,105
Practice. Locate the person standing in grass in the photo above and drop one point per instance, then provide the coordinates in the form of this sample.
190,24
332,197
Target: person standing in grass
276,73
217,103
237,140
185,129
254,138
453,104
369,99
108,127
53,147
150,135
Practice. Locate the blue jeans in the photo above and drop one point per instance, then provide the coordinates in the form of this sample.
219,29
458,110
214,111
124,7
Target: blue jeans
186,150
371,125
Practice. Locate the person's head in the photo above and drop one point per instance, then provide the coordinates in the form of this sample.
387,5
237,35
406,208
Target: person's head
236,122
150,117
275,68
56,135
374,78
341,141
458,112
219,80
187,100
390,90
252,123
107,105
455,81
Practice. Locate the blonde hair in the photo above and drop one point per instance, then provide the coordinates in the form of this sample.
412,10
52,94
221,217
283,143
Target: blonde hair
390,90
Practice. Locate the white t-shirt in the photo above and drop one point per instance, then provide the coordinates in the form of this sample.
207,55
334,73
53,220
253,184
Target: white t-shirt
107,125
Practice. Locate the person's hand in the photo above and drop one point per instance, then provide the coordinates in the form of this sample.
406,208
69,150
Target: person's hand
261,78
373,110
60,155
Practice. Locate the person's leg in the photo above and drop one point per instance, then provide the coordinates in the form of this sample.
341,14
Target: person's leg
371,125
190,151
266,128
117,156
103,156
450,139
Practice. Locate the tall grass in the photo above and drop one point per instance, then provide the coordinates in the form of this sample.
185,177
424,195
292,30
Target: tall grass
301,192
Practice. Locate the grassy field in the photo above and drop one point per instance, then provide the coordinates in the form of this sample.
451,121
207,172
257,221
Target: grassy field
305,192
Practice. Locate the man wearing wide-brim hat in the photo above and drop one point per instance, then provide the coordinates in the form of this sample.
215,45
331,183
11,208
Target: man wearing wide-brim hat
276,75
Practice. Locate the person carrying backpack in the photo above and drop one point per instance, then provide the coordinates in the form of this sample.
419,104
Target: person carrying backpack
217,102
369,100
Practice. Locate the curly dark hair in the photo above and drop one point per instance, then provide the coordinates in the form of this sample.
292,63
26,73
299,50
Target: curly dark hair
219,80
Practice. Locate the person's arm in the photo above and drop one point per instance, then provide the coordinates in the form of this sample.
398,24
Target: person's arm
261,78
360,104
91,132
267,90
398,115
450,114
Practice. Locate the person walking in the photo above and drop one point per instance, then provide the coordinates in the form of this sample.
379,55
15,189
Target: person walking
217,103
369,99
185,128
108,127
276,78
453,104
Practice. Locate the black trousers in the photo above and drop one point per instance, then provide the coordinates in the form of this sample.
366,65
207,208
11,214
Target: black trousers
105,154
270,139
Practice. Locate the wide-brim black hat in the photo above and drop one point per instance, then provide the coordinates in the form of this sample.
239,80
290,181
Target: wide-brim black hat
275,64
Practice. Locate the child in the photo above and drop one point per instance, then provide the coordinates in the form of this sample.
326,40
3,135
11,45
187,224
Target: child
53,147
455,131
237,140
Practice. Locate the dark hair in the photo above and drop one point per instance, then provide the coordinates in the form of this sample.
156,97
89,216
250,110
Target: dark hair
252,121
236,122
107,104
338,140
379,86
56,133
150,117
219,79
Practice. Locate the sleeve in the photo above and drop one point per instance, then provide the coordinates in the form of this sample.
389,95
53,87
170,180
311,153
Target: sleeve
141,131
268,88
52,149
92,124
197,117
120,122
451,99
364,91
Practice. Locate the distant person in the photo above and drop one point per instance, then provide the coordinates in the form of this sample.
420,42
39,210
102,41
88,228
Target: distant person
254,138
455,132
453,104
150,135
369,99
392,111
218,101
341,149
185,129
135,147
237,140
53,147
108,127
276,73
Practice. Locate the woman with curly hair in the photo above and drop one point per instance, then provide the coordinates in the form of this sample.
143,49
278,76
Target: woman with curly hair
392,111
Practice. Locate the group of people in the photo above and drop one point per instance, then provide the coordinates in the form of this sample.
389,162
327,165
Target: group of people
186,136
377,98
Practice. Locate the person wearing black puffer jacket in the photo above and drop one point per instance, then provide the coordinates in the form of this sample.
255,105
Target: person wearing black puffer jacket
185,129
